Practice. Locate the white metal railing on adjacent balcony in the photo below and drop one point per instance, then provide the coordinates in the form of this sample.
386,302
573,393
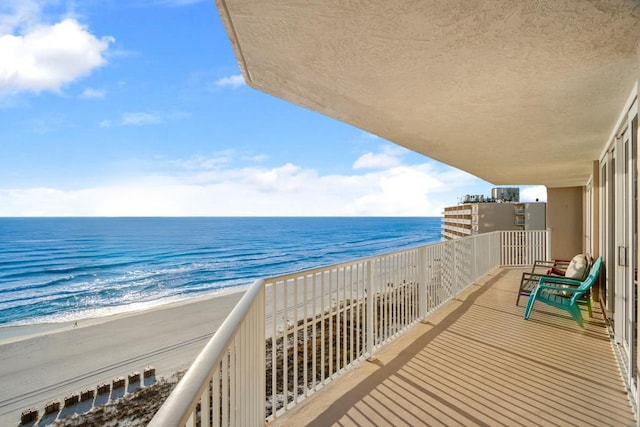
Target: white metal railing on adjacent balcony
457,221
291,335
454,212
449,235
524,247
462,230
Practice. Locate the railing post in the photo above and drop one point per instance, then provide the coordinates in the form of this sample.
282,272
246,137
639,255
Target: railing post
422,285
259,354
371,299
454,267
548,244
475,261
498,248
502,237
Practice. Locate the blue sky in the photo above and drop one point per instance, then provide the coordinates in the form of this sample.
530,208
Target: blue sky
138,108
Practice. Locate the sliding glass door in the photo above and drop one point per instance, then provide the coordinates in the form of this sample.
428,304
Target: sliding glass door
619,241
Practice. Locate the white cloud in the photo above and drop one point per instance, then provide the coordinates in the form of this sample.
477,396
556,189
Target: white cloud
143,118
15,14
288,178
178,3
212,187
50,122
400,191
367,135
45,57
258,158
389,157
204,163
533,194
133,119
234,81
90,93
139,118
376,161
169,3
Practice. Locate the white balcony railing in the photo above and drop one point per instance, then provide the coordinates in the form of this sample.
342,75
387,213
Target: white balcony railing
457,221
462,230
524,247
291,335
456,212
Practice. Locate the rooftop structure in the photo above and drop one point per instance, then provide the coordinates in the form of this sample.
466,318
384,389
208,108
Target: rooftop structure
506,194
498,195
475,198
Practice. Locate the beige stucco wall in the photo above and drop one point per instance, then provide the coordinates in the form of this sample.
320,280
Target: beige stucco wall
535,216
565,220
495,216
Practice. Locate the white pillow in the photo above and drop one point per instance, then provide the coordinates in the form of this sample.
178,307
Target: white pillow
577,268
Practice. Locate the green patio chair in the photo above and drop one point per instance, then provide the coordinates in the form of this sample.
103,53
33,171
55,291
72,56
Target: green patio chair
564,293
577,268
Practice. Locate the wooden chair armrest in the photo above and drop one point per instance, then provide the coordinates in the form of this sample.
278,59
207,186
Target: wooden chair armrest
559,265
542,263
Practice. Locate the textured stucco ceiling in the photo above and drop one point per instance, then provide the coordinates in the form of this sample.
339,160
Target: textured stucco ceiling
515,92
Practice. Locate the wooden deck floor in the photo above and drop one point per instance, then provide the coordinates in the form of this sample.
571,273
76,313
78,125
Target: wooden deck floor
477,362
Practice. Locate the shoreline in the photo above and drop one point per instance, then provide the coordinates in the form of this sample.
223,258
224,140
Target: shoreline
45,362
13,333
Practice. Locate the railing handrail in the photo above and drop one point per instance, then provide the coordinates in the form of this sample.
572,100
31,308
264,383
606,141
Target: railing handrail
513,247
175,411
339,265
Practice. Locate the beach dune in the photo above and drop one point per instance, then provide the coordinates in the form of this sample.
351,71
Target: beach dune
44,362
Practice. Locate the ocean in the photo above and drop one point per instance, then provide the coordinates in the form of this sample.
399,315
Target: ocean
66,269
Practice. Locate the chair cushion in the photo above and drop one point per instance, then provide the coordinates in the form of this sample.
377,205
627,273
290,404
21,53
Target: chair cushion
578,267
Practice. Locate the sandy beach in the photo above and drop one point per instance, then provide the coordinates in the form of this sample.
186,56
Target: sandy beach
39,363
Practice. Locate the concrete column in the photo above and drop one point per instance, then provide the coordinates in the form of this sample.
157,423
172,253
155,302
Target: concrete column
595,221
565,219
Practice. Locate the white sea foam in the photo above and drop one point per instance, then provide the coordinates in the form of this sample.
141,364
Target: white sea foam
95,267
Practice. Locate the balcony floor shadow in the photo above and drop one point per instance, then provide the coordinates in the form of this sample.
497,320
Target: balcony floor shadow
476,361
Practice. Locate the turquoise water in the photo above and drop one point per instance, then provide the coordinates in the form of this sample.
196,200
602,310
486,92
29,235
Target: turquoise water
62,269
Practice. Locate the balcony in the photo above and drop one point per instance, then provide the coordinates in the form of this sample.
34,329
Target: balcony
477,362
465,221
461,230
449,235
428,335
456,211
